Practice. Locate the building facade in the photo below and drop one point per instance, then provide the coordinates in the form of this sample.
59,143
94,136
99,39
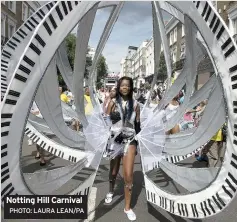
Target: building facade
126,63
232,19
111,80
13,15
149,58
122,67
138,63
134,65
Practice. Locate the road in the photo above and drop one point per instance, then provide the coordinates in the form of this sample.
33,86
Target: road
114,212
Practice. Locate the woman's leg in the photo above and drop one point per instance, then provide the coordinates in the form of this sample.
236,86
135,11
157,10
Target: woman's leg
41,153
176,129
128,164
114,169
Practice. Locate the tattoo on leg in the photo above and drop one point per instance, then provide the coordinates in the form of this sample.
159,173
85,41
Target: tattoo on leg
129,186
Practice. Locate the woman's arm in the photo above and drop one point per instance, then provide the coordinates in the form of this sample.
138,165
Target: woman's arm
138,113
110,108
191,111
137,120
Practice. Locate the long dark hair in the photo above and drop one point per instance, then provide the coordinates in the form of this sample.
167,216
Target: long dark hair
128,113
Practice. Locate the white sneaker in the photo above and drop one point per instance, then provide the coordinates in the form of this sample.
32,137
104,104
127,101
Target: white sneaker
109,198
30,142
130,214
105,154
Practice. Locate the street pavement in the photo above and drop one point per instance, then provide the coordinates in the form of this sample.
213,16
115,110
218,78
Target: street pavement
99,211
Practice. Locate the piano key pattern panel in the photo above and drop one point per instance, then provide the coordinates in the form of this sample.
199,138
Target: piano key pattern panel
53,27
214,198
45,38
185,206
70,154
172,159
16,44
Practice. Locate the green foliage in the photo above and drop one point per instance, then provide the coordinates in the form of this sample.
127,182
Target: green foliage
71,48
60,79
102,71
102,68
162,73
88,65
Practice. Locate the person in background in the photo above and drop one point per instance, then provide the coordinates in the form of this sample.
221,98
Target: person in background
70,96
87,102
181,97
69,93
135,93
109,97
199,112
159,94
214,149
63,96
40,152
171,109
101,93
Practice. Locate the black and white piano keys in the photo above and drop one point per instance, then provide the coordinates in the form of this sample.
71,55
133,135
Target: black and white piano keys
7,188
22,75
84,188
235,131
183,209
27,64
172,159
176,159
27,28
228,49
211,205
208,207
221,35
53,149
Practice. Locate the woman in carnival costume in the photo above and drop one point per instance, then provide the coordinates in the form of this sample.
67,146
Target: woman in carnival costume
124,114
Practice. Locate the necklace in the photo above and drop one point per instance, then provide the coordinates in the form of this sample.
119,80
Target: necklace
124,103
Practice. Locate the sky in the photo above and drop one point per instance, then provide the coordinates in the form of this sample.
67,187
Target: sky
134,25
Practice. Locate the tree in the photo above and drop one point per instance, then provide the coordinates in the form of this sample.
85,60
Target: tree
60,78
102,71
71,48
88,65
162,73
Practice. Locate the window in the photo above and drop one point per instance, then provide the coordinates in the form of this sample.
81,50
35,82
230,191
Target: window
12,6
183,33
31,12
235,26
11,28
174,54
171,37
3,21
24,12
182,51
175,34
3,2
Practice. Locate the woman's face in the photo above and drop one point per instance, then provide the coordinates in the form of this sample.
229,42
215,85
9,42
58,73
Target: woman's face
112,93
125,87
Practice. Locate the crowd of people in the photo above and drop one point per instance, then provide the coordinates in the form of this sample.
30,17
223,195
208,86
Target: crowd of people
121,110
